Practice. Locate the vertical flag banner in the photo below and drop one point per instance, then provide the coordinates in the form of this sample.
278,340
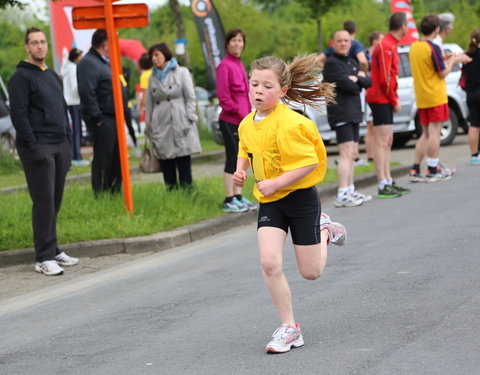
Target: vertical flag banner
211,35
64,36
404,6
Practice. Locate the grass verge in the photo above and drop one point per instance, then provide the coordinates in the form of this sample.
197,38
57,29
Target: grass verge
83,218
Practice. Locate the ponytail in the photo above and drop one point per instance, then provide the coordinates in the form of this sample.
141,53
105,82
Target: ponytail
474,41
302,78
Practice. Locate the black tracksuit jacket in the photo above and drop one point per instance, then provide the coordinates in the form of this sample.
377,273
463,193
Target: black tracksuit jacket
348,107
37,107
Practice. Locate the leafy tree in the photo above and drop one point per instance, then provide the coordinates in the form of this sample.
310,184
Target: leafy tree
13,22
6,3
318,8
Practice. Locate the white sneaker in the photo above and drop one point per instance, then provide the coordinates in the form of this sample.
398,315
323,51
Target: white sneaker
49,268
348,201
65,260
337,234
137,151
365,197
361,163
284,338
80,163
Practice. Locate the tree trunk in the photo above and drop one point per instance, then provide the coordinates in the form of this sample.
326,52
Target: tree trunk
319,35
180,26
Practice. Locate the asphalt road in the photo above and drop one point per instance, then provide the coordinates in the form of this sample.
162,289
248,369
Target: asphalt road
400,298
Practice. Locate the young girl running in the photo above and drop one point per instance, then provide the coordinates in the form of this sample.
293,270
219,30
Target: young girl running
288,159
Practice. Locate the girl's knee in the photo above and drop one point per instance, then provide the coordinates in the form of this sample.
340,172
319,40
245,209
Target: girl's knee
271,267
311,274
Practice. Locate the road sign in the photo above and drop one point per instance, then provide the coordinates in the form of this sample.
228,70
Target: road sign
126,15
111,17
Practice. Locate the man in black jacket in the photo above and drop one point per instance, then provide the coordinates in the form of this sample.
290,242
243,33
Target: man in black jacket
345,115
39,115
98,109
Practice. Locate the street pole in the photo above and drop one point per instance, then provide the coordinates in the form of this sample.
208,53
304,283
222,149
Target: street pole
118,100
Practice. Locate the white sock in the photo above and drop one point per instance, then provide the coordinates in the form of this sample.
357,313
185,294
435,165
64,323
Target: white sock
431,162
351,188
389,181
341,192
382,183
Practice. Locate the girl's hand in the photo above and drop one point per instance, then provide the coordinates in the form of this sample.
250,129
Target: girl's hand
267,187
239,178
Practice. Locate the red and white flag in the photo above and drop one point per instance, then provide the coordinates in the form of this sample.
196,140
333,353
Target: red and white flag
404,6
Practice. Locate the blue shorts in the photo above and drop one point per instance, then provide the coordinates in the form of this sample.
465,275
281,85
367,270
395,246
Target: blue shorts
300,211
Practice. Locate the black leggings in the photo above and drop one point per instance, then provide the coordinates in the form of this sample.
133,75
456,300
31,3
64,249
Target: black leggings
230,136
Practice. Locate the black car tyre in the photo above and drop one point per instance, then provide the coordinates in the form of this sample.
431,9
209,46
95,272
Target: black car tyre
450,128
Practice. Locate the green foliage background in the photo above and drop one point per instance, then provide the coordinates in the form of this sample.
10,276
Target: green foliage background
273,27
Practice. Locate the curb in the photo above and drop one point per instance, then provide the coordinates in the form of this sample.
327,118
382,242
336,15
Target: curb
176,237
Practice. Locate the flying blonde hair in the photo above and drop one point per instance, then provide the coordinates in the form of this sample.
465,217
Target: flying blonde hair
302,78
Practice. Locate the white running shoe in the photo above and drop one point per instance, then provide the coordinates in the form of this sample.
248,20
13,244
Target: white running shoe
337,234
348,201
285,337
65,260
365,197
49,268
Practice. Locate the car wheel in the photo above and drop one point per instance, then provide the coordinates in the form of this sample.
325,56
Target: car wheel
450,128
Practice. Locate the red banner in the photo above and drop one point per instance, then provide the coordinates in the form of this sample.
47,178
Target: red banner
64,36
404,6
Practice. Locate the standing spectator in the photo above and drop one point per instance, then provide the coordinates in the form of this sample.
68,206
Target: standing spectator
126,73
383,100
232,92
70,92
171,117
446,27
446,21
356,52
98,110
472,76
429,72
345,115
39,114
145,65
374,38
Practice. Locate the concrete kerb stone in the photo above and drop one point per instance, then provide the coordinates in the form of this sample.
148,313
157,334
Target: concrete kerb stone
176,237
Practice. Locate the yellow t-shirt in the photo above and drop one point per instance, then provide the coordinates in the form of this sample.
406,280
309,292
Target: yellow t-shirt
425,61
144,79
283,141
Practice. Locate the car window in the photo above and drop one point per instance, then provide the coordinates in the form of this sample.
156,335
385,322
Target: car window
404,66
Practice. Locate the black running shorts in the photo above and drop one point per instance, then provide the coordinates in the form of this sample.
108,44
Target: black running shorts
473,103
300,210
382,114
347,132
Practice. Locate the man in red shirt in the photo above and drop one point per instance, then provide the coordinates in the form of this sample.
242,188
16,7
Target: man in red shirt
383,100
